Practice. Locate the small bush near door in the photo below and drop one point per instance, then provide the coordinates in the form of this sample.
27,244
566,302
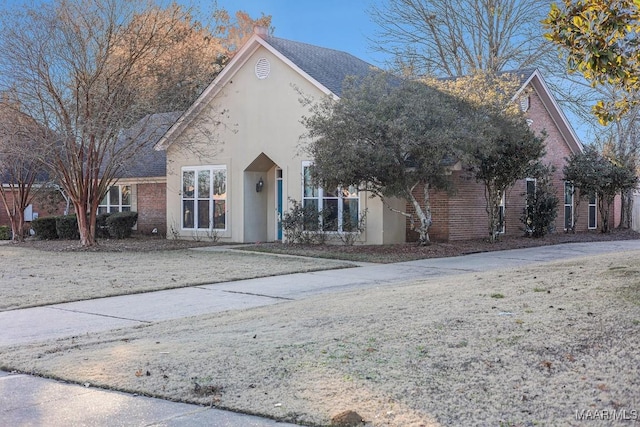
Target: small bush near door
120,224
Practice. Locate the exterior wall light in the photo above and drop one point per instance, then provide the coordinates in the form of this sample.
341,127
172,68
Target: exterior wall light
259,185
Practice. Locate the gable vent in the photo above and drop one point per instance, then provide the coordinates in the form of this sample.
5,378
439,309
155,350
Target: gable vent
263,68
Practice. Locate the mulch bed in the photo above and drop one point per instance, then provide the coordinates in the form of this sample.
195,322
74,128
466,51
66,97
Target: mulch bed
365,253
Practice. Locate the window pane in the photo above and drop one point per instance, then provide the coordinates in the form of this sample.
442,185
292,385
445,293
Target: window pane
568,193
330,215
309,189
592,217
126,195
187,213
126,208
220,184
592,199
531,187
219,217
102,209
311,220
203,214
204,185
567,217
105,200
188,184
114,195
350,215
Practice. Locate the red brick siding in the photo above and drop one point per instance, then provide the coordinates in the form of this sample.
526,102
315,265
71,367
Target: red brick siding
151,207
463,215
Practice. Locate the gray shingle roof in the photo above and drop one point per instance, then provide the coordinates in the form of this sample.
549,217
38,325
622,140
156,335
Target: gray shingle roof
149,162
328,66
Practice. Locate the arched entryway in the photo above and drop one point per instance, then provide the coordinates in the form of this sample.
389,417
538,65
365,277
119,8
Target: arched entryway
263,194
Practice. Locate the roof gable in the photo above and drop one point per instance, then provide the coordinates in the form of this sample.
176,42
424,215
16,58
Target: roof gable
533,78
324,68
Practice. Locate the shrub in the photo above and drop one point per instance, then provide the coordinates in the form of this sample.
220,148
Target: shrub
67,227
5,232
301,224
121,223
45,228
102,229
542,206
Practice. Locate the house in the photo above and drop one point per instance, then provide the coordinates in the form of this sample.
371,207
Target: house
235,163
141,186
463,215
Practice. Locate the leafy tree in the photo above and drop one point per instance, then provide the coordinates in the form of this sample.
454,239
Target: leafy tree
387,137
503,149
593,173
21,143
600,40
189,60
460,37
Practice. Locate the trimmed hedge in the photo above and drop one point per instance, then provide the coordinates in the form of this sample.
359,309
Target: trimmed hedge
121,223
67,227
45,228
5,232
102,229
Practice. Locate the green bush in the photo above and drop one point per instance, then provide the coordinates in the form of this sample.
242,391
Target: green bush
67,227
121,223
45,228
5,232
102,229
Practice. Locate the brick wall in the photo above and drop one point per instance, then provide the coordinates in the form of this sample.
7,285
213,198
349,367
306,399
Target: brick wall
151,207
463,215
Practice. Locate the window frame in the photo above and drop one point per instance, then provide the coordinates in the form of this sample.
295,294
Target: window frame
108,207
320,197
569,205
593,206
212,201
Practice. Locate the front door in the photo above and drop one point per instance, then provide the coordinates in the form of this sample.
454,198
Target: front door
279,203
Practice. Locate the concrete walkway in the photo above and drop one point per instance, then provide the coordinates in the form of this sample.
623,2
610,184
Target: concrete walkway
26,401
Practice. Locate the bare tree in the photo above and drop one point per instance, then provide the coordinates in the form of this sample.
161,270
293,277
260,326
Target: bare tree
459,37
74,65
21,140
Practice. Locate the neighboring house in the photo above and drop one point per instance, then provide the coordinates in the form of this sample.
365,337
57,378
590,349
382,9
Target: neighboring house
235,162
141,187
463,215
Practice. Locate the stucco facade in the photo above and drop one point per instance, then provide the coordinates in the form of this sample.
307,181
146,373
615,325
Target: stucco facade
246,128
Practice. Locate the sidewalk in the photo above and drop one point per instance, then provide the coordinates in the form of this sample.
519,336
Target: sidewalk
26,400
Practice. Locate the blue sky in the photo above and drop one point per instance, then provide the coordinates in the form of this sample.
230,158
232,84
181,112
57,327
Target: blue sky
337,24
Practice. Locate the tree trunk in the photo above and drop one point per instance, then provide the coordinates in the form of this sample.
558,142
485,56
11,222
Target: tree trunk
85,228
424,216
17,225
493,196
626,209
604,206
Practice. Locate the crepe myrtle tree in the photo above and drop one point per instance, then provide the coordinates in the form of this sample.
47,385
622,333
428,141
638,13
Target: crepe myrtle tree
78,68
388,137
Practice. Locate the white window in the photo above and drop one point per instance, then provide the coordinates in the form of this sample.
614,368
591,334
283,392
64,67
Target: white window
204,198
338,209
568,205
117,199
501,223
593,212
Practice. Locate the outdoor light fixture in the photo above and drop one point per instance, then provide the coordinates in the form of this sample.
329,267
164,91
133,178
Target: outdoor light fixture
259,185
